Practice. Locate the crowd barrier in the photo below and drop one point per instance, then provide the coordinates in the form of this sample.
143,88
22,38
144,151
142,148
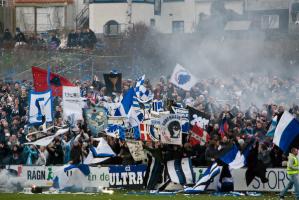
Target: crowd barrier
131,177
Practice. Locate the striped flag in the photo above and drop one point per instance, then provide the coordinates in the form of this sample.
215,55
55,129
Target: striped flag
205,179
181,171
286,132
157,106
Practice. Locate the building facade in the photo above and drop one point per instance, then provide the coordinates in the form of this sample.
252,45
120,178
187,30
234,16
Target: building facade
166,16
188,16
42,15
7,13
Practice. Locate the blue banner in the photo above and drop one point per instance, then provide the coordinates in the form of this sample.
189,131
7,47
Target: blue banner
128,177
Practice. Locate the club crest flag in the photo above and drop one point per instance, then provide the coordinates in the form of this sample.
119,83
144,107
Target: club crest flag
150,130
40,107
96,119
72,104
182,78
171,129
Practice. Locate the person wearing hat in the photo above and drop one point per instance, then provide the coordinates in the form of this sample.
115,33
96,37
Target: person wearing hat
293,174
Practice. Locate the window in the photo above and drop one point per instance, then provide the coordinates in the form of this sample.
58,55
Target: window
173,0
295,12
2,3
112,28
157,7
270,22
153,23
178,26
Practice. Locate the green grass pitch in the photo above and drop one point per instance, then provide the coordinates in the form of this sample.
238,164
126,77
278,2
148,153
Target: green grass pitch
123,196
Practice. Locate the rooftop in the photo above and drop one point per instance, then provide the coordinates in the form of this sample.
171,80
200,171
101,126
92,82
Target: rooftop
43,1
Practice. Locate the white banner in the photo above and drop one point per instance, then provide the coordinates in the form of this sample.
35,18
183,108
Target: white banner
43,175
277,180
136,150
171,129
72,103
40,105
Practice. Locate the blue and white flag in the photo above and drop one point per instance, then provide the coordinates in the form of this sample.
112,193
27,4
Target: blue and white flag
99,154
286,131
40,107
272,127
130,108
125,106
181,171
184,113
205,179
116,131
182,78
77,181
157,106
141,105
142,93
234,158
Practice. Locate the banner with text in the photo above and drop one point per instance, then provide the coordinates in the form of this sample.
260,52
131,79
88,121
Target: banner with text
128,177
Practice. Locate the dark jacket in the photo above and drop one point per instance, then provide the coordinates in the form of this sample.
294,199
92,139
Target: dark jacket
55,155
20,37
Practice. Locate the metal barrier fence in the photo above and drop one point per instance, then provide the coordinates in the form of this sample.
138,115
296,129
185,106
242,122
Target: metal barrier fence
16,65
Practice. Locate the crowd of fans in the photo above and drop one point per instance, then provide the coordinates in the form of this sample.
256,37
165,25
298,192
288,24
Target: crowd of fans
84,38
216,97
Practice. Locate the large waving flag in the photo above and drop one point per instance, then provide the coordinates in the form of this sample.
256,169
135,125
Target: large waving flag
286,132
127,101
45,141
123,108
99,154
205,179
44,79
182,78
40,108
76,181
234,158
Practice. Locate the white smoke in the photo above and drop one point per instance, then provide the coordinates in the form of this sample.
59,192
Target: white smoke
10,182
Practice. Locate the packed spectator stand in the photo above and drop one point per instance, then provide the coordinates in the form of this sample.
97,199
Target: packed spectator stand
216,97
